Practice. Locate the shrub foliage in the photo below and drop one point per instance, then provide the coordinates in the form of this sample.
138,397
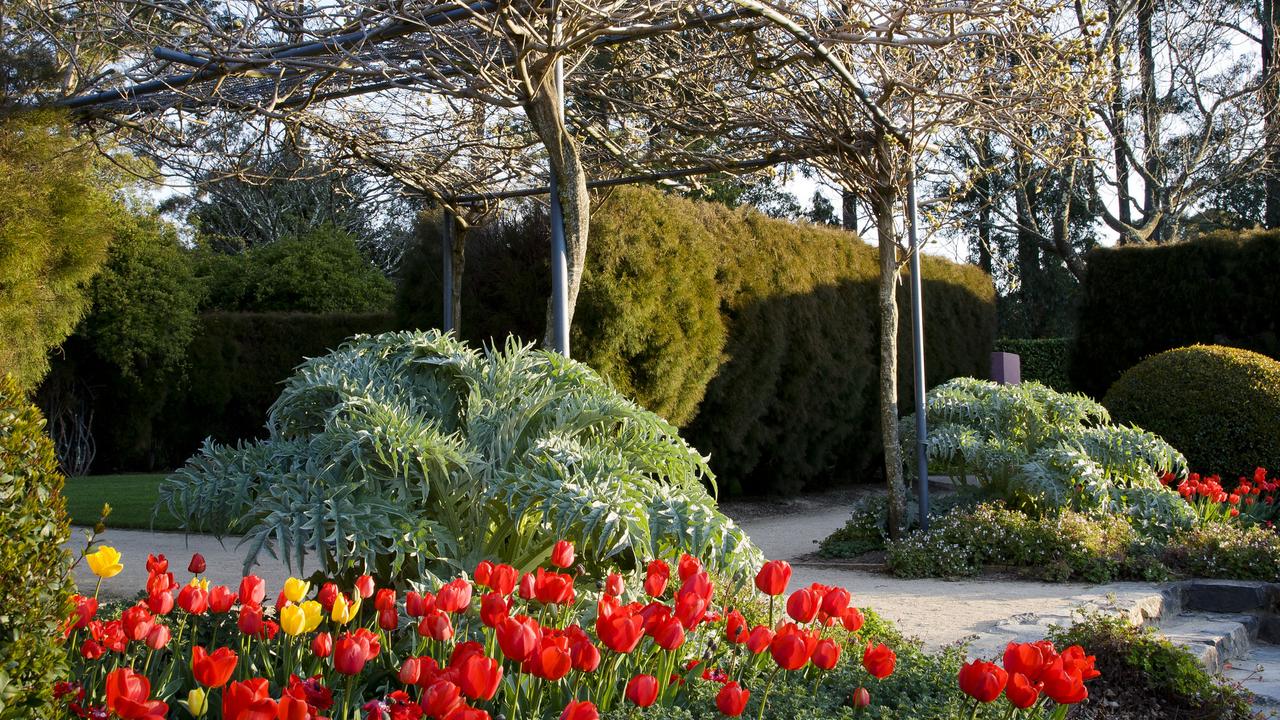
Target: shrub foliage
1044,360
758,336
1040,450
33,567
412,456
1138,301
1219,405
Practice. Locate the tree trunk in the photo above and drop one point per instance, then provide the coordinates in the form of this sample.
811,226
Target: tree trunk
1123,198
849,210
1271,105
575,202
458,261
883,199
1153,194
986,166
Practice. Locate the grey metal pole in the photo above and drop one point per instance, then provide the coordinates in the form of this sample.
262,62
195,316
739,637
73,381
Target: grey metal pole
559,251
446,254
917,351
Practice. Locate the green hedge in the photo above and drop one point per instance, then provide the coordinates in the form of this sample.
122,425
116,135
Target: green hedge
1045,360
1219,405
1138,301
235,365
759,336
33,567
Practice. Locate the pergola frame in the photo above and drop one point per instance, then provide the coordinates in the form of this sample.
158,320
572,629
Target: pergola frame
166,93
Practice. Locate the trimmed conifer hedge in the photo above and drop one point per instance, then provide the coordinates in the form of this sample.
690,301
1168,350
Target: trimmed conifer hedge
758,336
1138,301
1045,360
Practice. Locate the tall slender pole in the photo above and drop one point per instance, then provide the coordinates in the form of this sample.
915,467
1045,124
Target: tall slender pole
917,350
446,258
559,252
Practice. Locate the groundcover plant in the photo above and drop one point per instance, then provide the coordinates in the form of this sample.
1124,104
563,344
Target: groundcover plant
500,643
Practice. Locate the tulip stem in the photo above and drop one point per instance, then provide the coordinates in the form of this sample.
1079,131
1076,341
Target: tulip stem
764,700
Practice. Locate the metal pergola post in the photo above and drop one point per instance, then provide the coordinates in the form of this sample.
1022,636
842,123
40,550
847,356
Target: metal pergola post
917,350
446,258
559,250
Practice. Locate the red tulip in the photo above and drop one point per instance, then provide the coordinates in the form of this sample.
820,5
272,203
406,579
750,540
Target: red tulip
835,602
861,698
552,660
1021,692
503,579
585,656
85,609
553,588
248,700
851,619
518,637
688,566
983,681
250,620
614,585
732,699
773,577
1063,686
527,586
669,635
214,669
221,598
197,564
157,564
802,605
642,690
759,639
416,606
620,633
293,705
326,595
454,596
410,671
350,654
562,554
365,586
137,622
193,599
441,698
657,573
483,573
735,628
1074,660
158,637
253,590
322,645
479,676
388,619
790,650
879,660
129,696
1024,658
493,609
826,654
436,626
580,710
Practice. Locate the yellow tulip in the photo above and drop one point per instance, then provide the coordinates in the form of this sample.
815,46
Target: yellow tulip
293,620
197,702
314,613
343,611
104,562
296,589
202,583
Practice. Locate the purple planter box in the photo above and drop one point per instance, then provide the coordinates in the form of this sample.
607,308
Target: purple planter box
1006,368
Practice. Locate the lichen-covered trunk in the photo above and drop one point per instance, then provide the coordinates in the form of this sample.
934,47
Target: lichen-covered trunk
883,199
575,203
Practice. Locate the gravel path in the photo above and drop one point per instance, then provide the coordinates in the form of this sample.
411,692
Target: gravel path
988,612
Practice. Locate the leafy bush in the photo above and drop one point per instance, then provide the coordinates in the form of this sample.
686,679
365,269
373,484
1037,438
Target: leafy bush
319,272
1064,546
1039,450
33,567
412,455
1226,550
56,219
1044,360
1138,301
1219,405
1148,677
867,528
758,336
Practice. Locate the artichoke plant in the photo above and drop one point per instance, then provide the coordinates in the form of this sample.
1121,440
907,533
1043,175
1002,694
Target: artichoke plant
413,456
1038,450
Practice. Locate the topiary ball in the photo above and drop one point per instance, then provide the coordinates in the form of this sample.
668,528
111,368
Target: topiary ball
1219,405
33,567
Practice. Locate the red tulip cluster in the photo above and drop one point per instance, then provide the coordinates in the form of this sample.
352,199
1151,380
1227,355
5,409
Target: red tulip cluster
1256,498
520,644
1033,673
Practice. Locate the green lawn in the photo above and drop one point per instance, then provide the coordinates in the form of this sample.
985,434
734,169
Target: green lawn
132,499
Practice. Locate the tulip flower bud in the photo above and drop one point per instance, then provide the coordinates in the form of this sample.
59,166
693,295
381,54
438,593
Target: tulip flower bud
197,702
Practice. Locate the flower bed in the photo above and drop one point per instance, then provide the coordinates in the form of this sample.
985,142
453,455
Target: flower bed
499,643
1253,500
